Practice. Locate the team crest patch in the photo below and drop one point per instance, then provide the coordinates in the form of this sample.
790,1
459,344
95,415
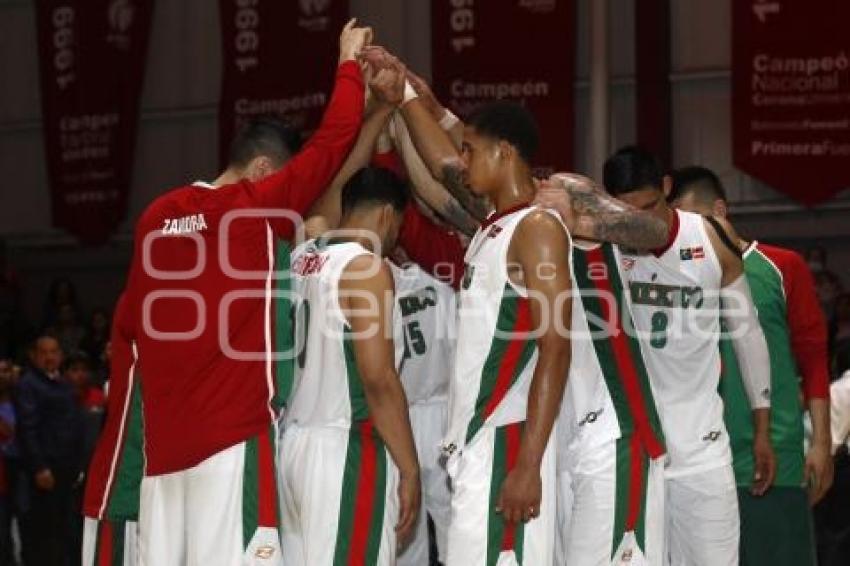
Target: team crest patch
494,231
687,254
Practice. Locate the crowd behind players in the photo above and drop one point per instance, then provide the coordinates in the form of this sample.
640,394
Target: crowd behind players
54,381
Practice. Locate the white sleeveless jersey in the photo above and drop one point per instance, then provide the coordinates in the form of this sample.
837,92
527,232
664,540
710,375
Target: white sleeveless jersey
327,390
676,307
424,330
608,393
496,354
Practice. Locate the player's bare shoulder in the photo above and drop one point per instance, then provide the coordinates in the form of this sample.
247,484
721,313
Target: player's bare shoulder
368,272
538,227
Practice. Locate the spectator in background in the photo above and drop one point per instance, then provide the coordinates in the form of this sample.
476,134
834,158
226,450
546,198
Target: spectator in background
96,337
828,287
816,258
840,328
50,440
68,330
90,400
62,292
91,404
8,462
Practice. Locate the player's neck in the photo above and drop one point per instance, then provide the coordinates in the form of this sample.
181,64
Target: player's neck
358,232
516,192
229,177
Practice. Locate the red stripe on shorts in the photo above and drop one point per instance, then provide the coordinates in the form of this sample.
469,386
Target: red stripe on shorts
365,498
104,542
635,483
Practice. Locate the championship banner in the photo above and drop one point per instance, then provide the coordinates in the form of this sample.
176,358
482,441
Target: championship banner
477,59
92,60
791,95
279,59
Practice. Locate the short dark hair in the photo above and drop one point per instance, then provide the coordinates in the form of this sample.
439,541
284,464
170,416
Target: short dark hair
632,168
374,186
265,135
78,358
701,181
510,122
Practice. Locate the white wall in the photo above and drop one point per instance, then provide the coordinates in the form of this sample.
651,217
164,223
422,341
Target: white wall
178,130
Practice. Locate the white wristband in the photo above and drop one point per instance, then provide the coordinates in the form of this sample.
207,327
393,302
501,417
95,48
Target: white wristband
449,120
383,144
409,93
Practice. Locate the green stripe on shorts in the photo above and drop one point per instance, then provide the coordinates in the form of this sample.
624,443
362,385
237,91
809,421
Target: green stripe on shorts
250,501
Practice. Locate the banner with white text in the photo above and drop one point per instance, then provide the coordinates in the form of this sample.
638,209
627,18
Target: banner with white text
478,57
92,61
279,60
791,95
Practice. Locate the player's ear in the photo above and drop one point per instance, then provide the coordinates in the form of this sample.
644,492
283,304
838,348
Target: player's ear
667,185
505,151
720,208
258,168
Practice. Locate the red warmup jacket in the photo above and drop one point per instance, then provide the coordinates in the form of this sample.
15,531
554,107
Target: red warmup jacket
205,291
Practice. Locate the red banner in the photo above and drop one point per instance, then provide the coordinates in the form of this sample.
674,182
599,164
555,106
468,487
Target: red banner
279,59
791,95
652,74
478,57
92,59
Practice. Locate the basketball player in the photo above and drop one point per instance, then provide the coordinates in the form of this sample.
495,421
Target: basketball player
776,528
350,472
611,452
200,299
425,329
423,323
511,364
676,294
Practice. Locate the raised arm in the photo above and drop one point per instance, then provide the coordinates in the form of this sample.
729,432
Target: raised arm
441,156
750,347
303,179
387,88
425,185
591,214
448,121
366,298
540,240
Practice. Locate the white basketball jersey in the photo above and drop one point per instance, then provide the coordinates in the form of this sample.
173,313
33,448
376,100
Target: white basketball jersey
676,307
327,390
608,392
496,352
425,332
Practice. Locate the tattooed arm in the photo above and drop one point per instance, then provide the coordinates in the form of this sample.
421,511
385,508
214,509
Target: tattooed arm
425,186
441,156
592,214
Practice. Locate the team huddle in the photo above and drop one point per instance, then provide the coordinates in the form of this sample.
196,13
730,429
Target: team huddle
394,345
